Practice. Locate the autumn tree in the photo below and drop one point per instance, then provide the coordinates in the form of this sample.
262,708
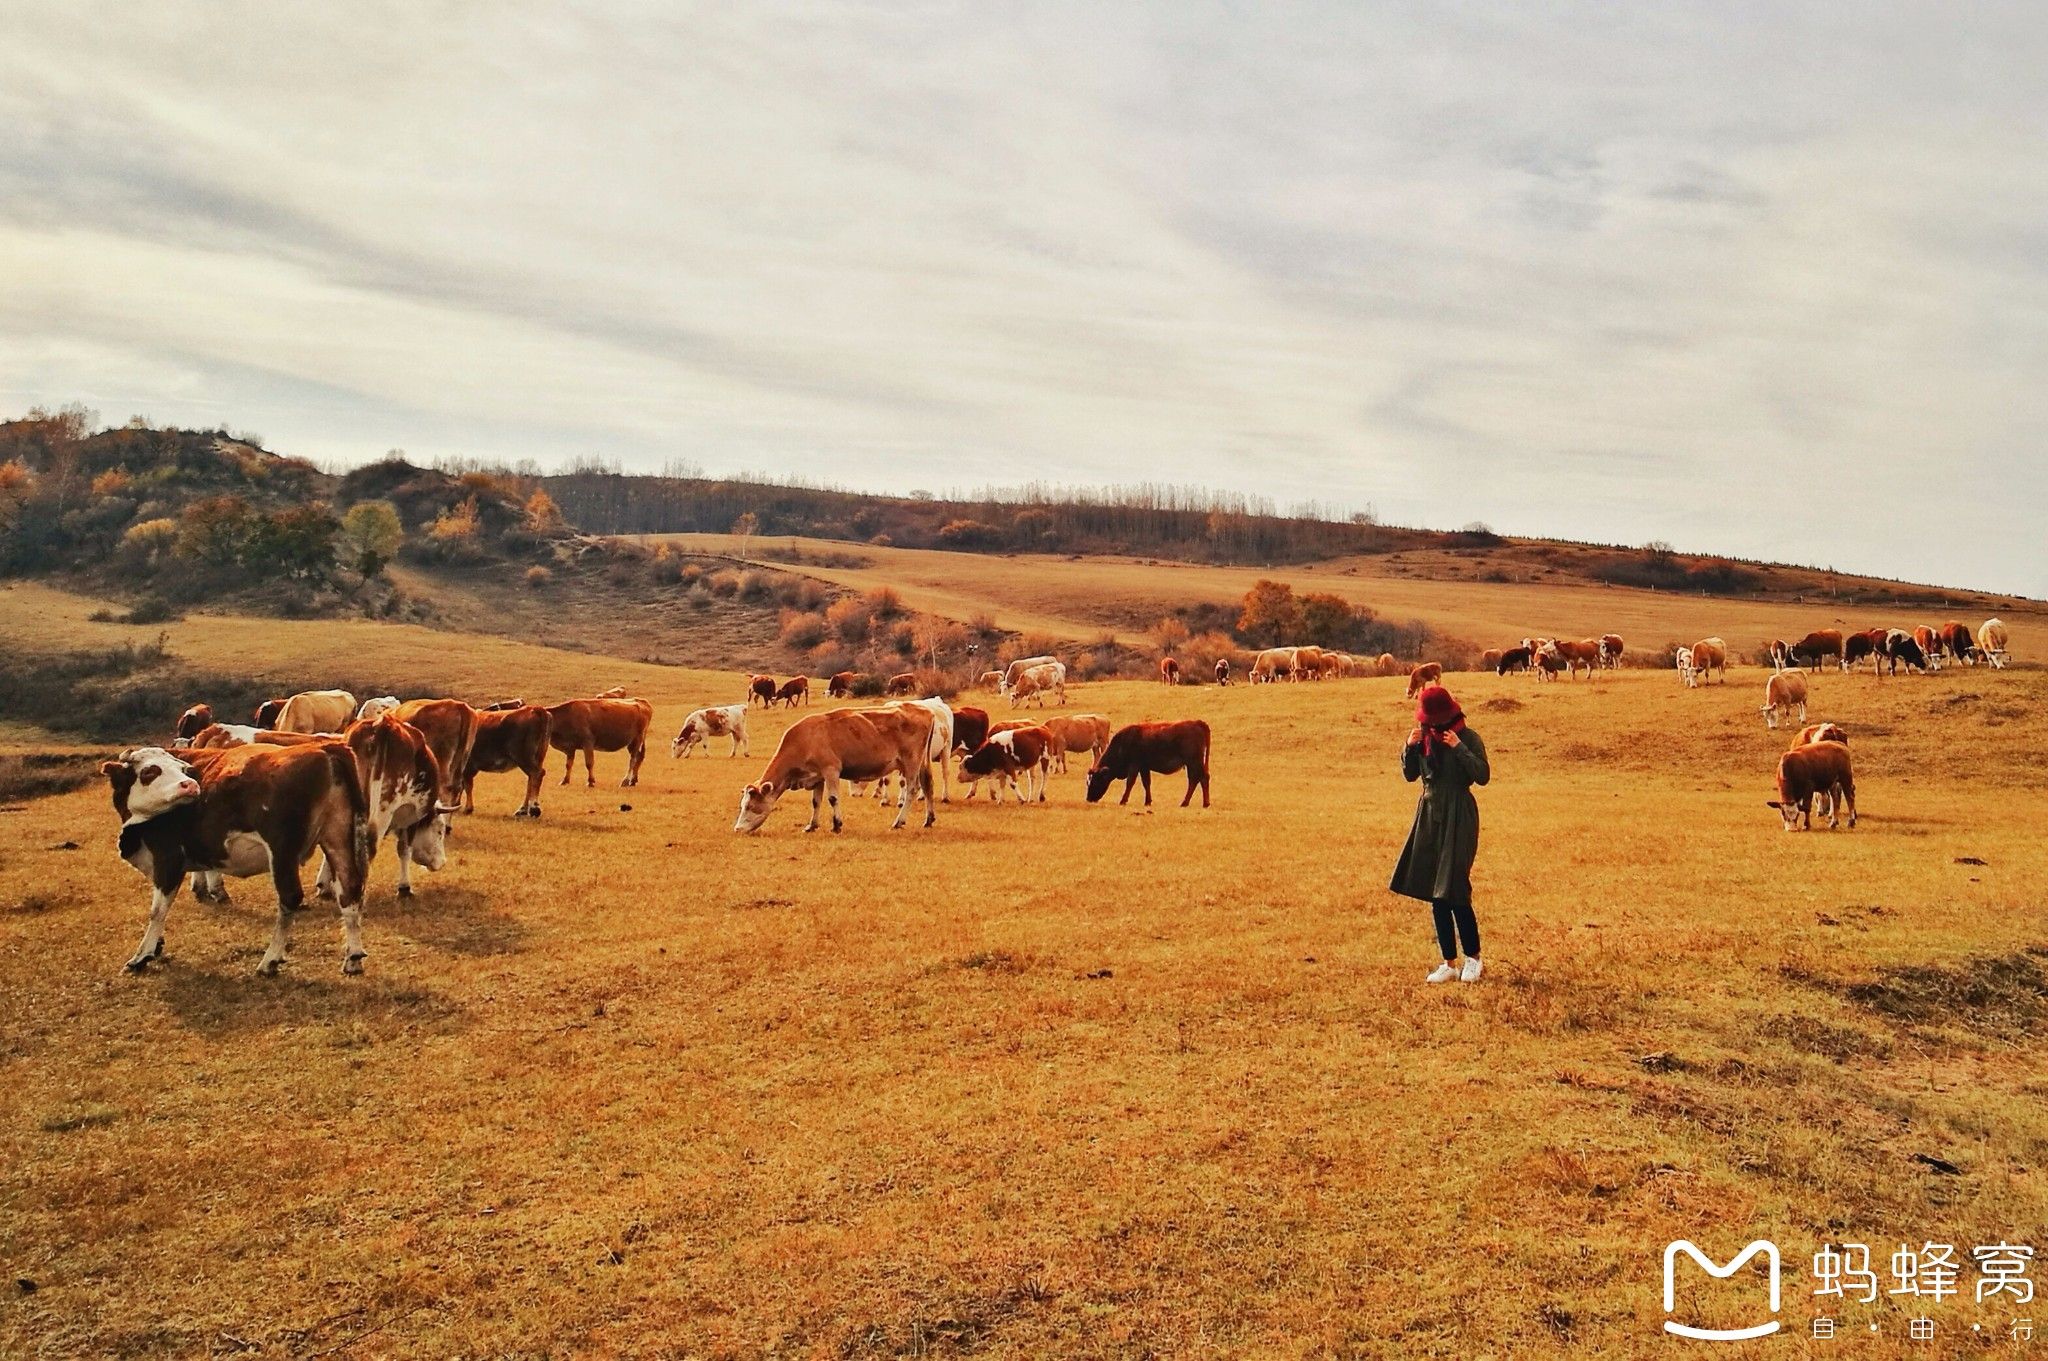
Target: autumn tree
746,527
370,535
542,514
1170,633
1326,619
1271,614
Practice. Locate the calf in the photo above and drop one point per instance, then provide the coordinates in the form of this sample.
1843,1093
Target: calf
1169,671
841,685
822,749
726,720
1025,751
1815,769
1141,749
193,721
1682,659
594,725
245,811
761,688
794,689
1428,673
509,739
1784,691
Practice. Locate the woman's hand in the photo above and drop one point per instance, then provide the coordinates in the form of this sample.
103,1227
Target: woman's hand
1449,737
1415,738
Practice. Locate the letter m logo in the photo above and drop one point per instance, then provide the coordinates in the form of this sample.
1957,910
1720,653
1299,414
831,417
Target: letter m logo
1735,1264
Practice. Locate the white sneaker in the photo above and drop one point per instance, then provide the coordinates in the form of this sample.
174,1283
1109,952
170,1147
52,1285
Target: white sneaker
1473,968
1442,973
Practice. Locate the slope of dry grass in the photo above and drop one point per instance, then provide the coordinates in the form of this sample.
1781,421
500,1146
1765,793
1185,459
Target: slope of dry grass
1066,1080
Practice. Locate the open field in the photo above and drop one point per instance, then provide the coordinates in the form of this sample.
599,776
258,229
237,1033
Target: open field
1061,1080
1081,598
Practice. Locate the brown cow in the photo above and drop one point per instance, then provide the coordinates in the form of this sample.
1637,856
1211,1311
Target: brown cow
1817,647
1815,769
192,720
1577,652
1140,749
266,714
1428,673
1023,749
794,689
1708,656
841,685
1856,646
819,750
1930,645
1784,691
316,711
1610,650
594,725
509,739
1489,660
902,683
761,688
970,727
245,811
1078,732
1169,671
615,692
449,726
1959,642
1546,661
407,792
1223,670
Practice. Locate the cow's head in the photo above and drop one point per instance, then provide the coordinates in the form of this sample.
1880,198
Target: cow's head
149,782
193,720
1099,781
267,713
690,735
427,839
1789,810
757,801
377,708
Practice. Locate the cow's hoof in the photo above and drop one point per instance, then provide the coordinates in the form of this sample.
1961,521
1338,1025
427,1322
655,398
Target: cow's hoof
139,964
405,890
269,967
352,965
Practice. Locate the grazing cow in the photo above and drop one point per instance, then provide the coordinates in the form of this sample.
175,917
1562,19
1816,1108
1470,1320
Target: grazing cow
1682,659
1548,661
1141,749
376,708
966,743
1900,646
1169,671
1025,751
726,720
1959,642
1386,665
510,739
1428,673
902,683
198,717
794,689
1708,656
990,680
1821,732
761,688
1273,664
1930,645
1991,642
266,714
820,750
615,692
1038,682
841,685
1818,768
1780,653
1857,646
1078,732
1489,660
407,793
1578,653
1512,659
245,811
1817,647
1223,670
1020,666
315,711
449,726
1331,665
1784,691
594,725
1610,650
1308,663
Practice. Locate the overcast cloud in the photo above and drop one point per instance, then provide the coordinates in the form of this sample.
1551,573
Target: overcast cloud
1765,279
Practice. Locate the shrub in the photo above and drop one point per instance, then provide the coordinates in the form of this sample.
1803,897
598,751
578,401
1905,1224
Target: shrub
867,687
458,523
537,577
885,603
690,574
754,585
724,583
802,629
543,516
969,534
851,618
112,482
149,542
370,535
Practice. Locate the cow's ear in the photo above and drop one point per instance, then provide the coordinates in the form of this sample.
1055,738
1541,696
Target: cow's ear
111,769
1772,803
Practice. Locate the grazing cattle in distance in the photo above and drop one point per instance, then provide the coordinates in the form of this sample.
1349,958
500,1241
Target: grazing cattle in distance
1331,665
1805,772
1930,645
1512,659
1817,647
1577,653
245,811
1857,646
1427,673
449,726
1682,659
315,711
266,714
1783,692
1780,654
1547,661
1610,650
1386,665
902,683
376,708
1489,660
990,680
1025,751
1991,642
1272,664
510,739
407,793
1308,663
1169,671
1020,666
193,721
841,685
725,720
1900,646
1223,670
1959,642
1708,656
1037,683
794,689
615,692
761,688
820,750
1141,750
594,725
1078,732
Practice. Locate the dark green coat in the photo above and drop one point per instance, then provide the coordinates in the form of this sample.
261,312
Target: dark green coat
1437,861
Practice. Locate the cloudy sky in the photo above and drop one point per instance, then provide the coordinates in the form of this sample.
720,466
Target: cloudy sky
1769,279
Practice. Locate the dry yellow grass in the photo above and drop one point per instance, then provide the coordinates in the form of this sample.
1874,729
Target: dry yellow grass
1051,1081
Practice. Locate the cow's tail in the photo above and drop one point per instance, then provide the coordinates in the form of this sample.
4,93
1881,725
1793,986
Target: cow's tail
348,773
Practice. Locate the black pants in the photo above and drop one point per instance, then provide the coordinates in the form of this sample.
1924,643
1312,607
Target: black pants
1454,921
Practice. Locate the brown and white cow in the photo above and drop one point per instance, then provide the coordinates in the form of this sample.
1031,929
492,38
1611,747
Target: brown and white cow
1821,732
1861,644
594,725
724,720
1708,656
194,719
1021,665
1805,772
1578,653
1992,641
794,689
376,707
245,811
1779,653
1428,673
1610,650
821,750
408,795
216,735
1959,642
316,711
841,685
761,688
1038,682
509,739
1169,671
943,738
1929,639
1078,732
1223,670
1817,647
990,680
1783,692
1139,750
1025,750
266,714
449,726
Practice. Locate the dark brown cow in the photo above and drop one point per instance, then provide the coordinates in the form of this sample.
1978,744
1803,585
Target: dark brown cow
1169,671
841,685
1140,749
970,727
902,683
794,689
449,726
1856,646
193,720
1513,659
1958,641
1817,647
761,688
245,811
509,739
594,725
1610,650
267,712
1804,772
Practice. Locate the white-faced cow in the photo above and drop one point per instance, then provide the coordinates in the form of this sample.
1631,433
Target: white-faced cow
1784,691
1992,641
410,798
1038,682
1016,751
376,707
1808,771
1610,650
724,720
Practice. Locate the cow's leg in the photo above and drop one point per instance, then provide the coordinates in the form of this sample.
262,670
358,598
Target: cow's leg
1848,796
570,768
284,874
589,765
831,783
818,805
404,867
1145,774
163,889
1193,780
1044,778
931,814
1129,784
469,792
903,797
635,755
534,779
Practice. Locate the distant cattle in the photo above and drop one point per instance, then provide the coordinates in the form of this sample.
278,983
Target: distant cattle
1708,656
245,811
1275,663
1169,671
1991,642
316,711
1959,642
614,692
1223,670
1023,751
726,720
1682,659
1857,646
761,689
510,739
194,719
1308,663
902,683
794,689
1386,665
990,680
1929,640
1037,683
1021,665
1780,654
1428,673
841,685
449,726
1141,750
1489,660
1901,647
1512,659
821,750
594,725
1818,768
1078,732
1784,691
1819,646
1578,653
376,707
1610,650
1547,661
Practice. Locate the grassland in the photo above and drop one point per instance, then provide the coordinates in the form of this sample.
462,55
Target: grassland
1070,1080
1080,598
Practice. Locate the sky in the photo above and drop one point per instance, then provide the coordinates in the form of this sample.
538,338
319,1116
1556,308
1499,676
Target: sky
1761,279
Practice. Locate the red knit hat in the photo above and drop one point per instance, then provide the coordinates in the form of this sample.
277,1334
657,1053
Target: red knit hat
1435,707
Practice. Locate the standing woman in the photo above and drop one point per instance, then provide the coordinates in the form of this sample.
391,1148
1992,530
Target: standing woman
1436,864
